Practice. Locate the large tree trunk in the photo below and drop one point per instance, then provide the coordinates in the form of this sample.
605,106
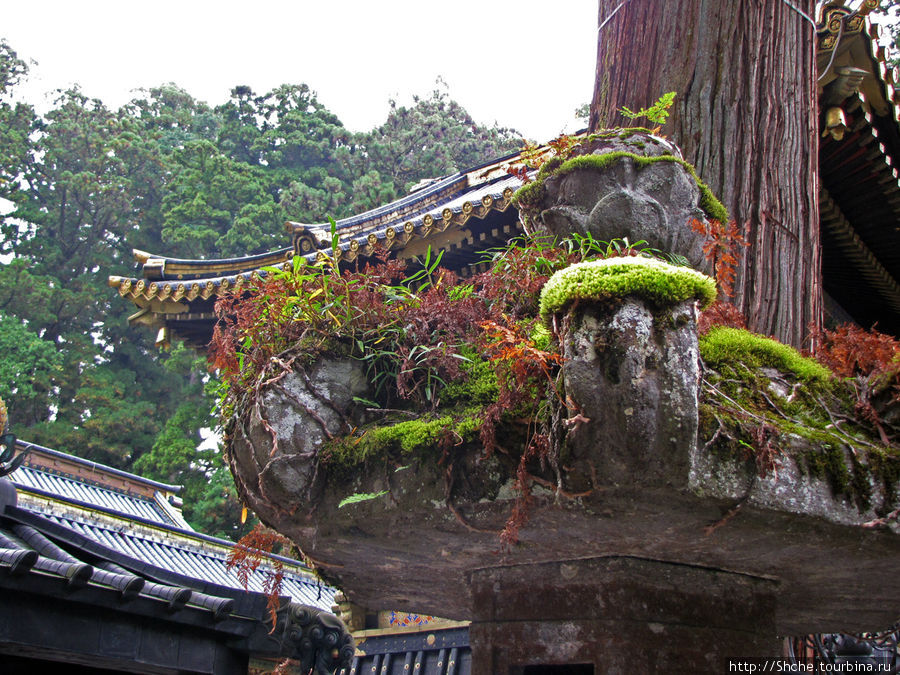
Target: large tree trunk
745,116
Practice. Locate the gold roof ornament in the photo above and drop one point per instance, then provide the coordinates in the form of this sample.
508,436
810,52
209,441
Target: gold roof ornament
835,123
837,20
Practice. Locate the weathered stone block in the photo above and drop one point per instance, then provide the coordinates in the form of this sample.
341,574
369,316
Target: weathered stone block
274,446
635,374
642,197
619,615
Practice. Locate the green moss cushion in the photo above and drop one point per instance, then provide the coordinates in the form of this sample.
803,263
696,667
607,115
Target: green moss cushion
723,346
646,278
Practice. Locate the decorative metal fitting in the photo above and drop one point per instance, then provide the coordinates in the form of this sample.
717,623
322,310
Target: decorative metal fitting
835,123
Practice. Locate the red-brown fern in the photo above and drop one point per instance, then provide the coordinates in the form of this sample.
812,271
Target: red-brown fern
251,551
850,351
722,249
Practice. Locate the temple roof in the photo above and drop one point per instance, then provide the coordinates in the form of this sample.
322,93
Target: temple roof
98,567
81,539
66,478
459,214
137,523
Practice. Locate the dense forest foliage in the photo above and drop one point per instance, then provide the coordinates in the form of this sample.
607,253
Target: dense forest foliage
169,174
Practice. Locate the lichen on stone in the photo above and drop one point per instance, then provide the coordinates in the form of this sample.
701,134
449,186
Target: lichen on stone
647,278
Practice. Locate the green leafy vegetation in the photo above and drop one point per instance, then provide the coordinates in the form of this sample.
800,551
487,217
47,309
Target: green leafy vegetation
361,497
467,360
30,365
427,339
657,113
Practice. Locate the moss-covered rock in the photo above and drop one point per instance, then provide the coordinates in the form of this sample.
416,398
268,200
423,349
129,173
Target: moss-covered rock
532,192
624,184
723,346
402,440
647,278
779,427
479,387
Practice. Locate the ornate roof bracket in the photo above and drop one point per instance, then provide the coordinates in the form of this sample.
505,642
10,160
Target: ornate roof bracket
855,249
305,238
850,59
846,83
836,21
834,96
318,639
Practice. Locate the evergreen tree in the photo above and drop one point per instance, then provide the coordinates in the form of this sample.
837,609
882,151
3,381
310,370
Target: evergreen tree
434,137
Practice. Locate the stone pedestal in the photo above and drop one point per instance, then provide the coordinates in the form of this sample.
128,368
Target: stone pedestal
635,186
619,615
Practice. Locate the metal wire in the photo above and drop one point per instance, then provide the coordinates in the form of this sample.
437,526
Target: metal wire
801,13
612,14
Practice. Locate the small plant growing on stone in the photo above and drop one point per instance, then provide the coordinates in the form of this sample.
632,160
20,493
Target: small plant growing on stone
361,497
657,113
533,156
722,249
871,361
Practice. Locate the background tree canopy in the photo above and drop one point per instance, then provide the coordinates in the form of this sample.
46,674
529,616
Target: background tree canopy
167,173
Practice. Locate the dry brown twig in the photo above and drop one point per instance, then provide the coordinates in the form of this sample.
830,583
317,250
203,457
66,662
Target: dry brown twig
731,513
550,485
834,423
719,432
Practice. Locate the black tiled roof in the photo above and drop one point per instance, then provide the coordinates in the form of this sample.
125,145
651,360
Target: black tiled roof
84,556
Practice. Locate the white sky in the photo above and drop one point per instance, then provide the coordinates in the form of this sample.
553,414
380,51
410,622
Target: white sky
526,64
